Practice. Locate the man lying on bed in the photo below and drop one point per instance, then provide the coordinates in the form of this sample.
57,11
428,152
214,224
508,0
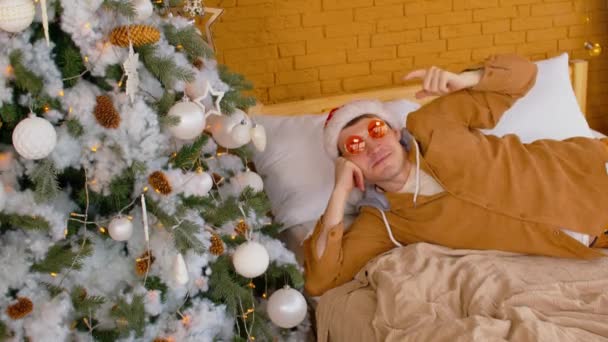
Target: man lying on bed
448,184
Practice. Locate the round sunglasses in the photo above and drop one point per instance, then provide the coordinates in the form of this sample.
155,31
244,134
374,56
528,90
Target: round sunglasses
355,144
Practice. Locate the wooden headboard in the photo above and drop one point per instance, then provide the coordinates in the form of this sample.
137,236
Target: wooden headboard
578,76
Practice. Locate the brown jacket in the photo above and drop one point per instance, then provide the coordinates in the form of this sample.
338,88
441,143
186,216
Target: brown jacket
499,193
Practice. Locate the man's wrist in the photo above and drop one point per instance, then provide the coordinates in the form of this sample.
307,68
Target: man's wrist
472,77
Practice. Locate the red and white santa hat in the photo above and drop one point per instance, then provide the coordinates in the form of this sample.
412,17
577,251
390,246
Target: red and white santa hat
341,116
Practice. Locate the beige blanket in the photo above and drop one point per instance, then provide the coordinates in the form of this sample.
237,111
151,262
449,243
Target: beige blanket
424,292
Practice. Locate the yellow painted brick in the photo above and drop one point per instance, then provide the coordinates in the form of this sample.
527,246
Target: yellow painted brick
401,24
457,56
296,6
241,40
261,80
497,26
571,44
261,95
251,54
587,30
285,64
427,7
326,58
425,60
343,70
538,56
244,25
519,2
494,13
295,91
332,44
398,64
547,34
552,8
395,38
569,19
523,11
372,14
531,23
457,67
537,47
470,4
481,54
508,38
461,30
370,54
290,35
299,76
390,2
327,17
223,3
413,49
239,13
341,4
589,5
443,58
331,86
332,31
366,82
292,49
253,2
364,41
282,22
449,18
256,67
430,33
470,42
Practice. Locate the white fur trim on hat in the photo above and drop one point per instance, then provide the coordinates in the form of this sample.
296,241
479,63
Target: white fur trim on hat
340,117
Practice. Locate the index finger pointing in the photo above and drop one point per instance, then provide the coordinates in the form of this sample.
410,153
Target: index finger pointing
420,73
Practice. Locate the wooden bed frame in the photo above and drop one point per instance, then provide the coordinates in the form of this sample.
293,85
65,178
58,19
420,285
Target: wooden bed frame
578,76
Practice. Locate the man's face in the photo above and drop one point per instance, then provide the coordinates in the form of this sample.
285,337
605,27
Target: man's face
382,159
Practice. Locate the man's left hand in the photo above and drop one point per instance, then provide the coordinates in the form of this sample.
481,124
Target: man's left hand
437,82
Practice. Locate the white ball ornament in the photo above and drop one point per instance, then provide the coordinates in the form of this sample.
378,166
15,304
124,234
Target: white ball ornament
34,137
16,15
143,8
191,120
245,179
250,259
286,307
231,131
120,229
180,272
199,184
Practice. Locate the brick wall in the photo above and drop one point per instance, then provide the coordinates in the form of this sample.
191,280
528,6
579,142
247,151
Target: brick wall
296,49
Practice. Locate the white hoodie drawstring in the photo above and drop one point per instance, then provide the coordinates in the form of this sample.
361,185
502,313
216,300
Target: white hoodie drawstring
386,225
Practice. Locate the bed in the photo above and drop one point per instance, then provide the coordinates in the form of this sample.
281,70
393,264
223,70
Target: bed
424,292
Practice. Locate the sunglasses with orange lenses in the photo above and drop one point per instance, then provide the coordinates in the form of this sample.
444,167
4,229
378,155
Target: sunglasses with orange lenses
355,144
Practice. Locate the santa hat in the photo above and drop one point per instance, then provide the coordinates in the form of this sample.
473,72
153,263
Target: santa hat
341,116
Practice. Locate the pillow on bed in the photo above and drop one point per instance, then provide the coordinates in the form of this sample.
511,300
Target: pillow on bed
299,176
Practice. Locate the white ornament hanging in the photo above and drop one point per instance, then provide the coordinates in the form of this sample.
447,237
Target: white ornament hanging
16,15
2,196
120,229
231,131
130,66
286,307
247,179
194,8
258,137
45,21
143,9
198,184
250,259
34,137
180,272
200,88
191,120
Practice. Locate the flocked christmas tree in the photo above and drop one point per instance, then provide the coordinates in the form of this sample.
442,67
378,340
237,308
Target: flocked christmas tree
127,208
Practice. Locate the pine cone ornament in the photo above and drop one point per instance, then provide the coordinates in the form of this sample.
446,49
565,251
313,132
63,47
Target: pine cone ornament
160,182
140,35
217,245
22,308
105,113
241,228
142,265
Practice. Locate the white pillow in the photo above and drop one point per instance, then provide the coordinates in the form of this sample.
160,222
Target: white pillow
298,174
549,110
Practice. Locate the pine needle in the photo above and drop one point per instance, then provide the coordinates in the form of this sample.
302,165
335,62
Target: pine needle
163,68
24,78
83,303
188,38
44,177
62,256
124,8
23,222
130,316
